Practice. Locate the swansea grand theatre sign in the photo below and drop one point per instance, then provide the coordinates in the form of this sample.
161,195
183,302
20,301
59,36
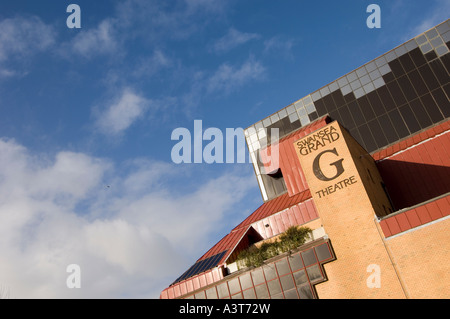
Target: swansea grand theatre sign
326,161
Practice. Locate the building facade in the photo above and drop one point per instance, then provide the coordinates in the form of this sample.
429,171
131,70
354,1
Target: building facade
364,162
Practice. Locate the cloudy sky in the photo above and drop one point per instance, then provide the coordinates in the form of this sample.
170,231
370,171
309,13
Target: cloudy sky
87,115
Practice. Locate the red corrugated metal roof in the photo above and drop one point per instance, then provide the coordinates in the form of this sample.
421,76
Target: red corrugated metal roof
267,209
273,206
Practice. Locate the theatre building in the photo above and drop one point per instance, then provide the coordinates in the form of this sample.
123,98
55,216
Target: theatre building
364,163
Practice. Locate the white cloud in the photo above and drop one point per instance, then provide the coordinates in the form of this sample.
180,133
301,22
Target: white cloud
21,38
228,78
91,42
279,45
233,39
130,240
438,14
122,112
150,65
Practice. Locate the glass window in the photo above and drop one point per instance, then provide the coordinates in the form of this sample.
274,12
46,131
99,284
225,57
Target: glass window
304,120
200,295
315,96
274,118
431,34
295,261
310,108
362,71
441,50
293,117
237,296
314,273
342,82
436,42
274,287
222,290
309,258
249,294
305,292
301,112
307,99
261,291
322,252
282,113
267,122
421,39
269,272
258,277
234,286
290,109
351,77
211,293
426,47
291,294
282,267
287,282
300,277
246,281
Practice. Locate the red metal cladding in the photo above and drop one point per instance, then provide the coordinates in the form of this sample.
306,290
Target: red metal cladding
429,133
287,157
412,217
416,216
418,173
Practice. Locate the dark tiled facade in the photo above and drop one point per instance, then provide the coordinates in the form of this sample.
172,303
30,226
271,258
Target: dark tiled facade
390,98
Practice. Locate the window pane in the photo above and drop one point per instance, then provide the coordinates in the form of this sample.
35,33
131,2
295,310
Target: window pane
200,295
283,267
314,273
261,291
296,262
249,294
305,292
237,296
234,286
258,277
300,277
287,282
323,252
309,258
222,289
269,272
274,287
211,293
291,294
246,281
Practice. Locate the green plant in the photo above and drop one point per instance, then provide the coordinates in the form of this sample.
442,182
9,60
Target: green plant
292,238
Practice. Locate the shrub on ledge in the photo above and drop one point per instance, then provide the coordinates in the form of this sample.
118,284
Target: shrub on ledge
292,238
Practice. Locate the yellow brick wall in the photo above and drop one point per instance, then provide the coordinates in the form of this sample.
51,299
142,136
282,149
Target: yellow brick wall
422,258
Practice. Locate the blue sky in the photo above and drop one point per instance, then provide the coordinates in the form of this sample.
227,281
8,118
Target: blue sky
86,117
